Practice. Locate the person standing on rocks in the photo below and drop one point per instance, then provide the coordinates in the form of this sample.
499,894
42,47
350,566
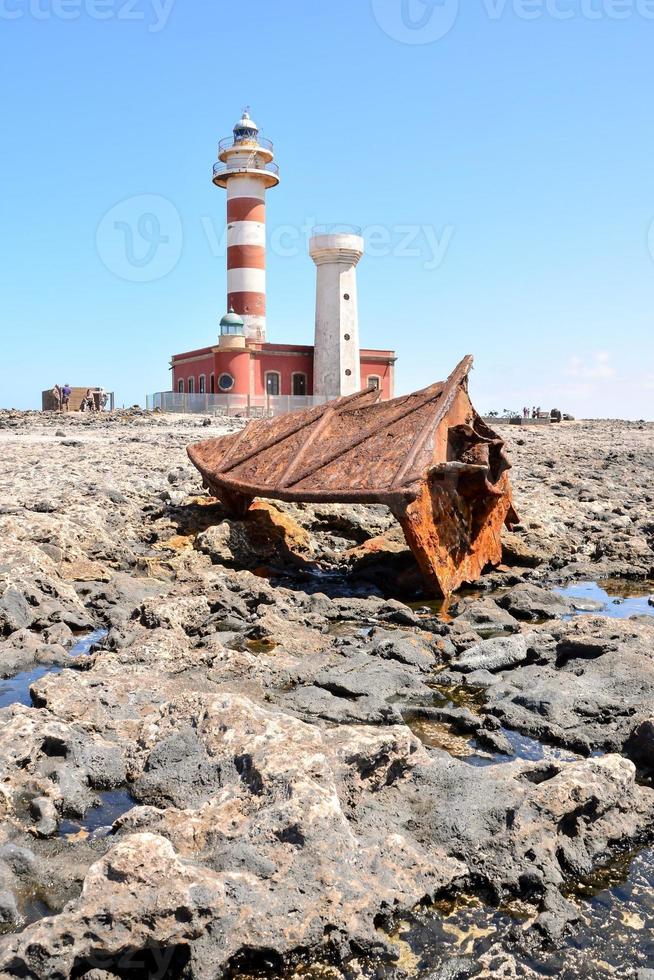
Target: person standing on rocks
56,398
66,392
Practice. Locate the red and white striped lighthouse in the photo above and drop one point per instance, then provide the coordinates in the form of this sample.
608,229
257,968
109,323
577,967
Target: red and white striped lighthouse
245,168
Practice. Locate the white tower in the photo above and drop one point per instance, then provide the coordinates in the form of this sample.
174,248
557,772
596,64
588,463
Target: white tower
336,359
245,168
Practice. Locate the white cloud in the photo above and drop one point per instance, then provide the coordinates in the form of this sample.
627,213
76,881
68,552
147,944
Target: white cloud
596,368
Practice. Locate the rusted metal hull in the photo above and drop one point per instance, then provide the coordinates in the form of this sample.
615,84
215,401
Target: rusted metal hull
428,456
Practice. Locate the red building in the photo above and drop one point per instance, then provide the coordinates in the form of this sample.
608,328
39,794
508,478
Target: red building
237,366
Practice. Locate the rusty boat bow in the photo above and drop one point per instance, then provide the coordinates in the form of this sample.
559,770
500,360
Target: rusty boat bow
428,456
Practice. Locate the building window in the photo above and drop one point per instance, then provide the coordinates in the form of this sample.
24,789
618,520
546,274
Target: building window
225,382
203,384
374,381
299,383
272,382
180,386
191,386
212,384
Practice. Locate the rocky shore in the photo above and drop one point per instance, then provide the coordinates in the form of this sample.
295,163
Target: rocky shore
254,748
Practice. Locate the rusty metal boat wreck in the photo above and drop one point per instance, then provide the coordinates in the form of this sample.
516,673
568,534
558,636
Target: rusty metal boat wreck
428,456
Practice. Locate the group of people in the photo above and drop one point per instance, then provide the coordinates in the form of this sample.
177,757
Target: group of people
554,416
61,397
89,402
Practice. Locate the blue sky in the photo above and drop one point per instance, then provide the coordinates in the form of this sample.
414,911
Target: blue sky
498,154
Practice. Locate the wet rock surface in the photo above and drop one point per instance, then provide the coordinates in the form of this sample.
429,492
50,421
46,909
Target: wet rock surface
278,757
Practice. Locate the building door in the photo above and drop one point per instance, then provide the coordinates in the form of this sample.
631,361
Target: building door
299,384
272,383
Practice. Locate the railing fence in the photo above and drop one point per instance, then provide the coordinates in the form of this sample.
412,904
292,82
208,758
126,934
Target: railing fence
245,406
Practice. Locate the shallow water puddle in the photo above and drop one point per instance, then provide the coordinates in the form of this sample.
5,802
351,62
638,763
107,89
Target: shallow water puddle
525,748
350,628
447,931
35,907
97,821
260,646
618,598
84,645
441,734
461,695
439,608
613,938
16,690
444,609
617,927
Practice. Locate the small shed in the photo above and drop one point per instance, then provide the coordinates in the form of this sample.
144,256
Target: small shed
77,396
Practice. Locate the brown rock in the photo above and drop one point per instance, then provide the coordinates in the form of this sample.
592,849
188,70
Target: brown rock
517,551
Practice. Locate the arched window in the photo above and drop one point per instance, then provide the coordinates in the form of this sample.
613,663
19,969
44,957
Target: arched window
273,382
202,384
191,386
374,381
180,386
212,383
299,383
